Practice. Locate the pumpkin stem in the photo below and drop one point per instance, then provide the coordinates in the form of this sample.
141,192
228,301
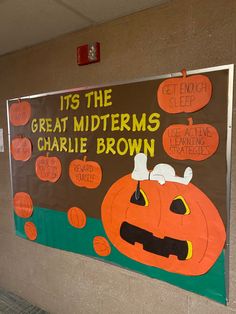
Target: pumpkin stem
18,100
190,121
137,192
184,72
85,158
47,154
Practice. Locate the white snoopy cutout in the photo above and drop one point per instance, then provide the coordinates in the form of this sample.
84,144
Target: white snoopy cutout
161,172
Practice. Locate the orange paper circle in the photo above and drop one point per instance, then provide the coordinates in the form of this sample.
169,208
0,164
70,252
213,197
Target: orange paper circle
21,148
23,204
76,217
101,246
20,113
30,230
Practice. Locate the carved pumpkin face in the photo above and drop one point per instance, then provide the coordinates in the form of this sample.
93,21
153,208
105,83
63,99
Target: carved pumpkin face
171,226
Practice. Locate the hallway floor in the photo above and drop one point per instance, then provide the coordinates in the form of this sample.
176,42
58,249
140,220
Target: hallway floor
12,304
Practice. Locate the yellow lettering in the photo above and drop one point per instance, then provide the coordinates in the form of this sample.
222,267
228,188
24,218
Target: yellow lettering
61,103
48,124
78,126
98,99
104,119
139,125
89,98
67,99
40,144
110,144
55,145
64,123
122,141
75,102
149,148
125,117
86,123
63,142
70,149
107,97
100,145
42,125
114,122
34,125
46,143
83,144
95,122
134,146
154,119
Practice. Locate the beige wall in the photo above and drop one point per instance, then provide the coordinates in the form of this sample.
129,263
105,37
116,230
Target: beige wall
182,33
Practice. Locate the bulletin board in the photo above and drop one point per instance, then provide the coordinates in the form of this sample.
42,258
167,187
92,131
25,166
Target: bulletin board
136,174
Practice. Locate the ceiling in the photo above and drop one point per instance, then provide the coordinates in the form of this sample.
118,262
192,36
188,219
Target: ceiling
25,23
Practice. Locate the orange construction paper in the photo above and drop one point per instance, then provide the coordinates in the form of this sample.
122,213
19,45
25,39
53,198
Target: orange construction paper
101,246
20,113
194,141
76,217
139,230
30,230
21,148
23,204
85,173
185,94
48,168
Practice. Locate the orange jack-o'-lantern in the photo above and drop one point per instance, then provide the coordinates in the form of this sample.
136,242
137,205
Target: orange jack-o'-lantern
171,226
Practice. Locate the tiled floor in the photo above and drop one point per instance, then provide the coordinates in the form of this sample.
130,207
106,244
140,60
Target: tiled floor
12,304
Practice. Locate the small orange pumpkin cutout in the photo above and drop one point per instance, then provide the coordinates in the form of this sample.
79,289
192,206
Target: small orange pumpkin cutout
20,113
30,230
172,226
194,141
85,173
101,246
48,168
21,148
23,204
76,217
185,94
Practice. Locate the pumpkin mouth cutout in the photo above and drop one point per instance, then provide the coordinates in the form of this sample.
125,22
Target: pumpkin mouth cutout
163,247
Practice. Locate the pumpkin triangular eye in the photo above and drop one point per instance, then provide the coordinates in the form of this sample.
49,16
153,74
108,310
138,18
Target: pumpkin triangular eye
179,206
139,197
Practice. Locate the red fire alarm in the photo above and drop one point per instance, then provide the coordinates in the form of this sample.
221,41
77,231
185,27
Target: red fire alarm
89,53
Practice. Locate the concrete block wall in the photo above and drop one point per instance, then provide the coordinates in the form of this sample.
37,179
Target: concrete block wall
178,34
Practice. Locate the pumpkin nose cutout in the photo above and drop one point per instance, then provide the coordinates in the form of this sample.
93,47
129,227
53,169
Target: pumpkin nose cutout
139,197
179,206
